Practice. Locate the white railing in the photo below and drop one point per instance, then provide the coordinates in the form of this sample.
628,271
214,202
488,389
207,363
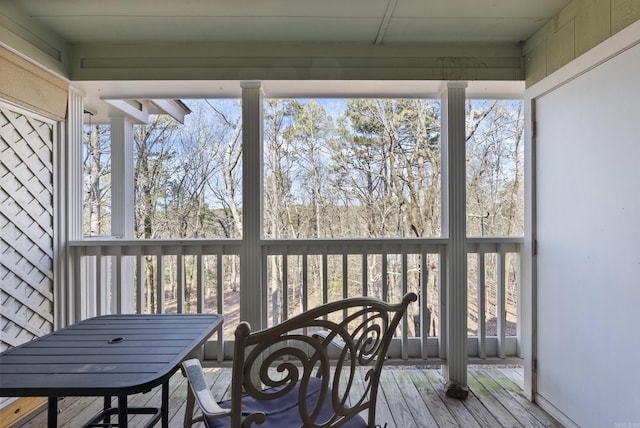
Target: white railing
157,276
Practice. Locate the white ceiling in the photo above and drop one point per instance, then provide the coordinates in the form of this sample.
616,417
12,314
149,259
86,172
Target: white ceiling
359,21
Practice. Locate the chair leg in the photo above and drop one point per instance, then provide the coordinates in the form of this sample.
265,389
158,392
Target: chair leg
188,412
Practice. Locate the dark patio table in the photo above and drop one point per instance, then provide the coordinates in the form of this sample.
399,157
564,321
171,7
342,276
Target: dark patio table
107,356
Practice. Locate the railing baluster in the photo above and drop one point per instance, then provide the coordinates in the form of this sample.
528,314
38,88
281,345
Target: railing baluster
345,273
305,285
482,331
305,280
139,284
345,277
180,285
79,295
385,277
405,319
424,303
220,298
285,287
518,296
442,302
160,283
199,282
106,278
501,309
325,277
99,284
365,274
266,289
117,294
365,277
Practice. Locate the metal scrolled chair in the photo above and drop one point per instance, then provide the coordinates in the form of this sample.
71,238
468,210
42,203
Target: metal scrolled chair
291,361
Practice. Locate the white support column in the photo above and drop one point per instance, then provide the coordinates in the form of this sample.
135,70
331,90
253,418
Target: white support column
122,210
71,303
454,227
251,294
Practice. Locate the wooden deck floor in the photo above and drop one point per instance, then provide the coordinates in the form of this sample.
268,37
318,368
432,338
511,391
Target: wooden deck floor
409,398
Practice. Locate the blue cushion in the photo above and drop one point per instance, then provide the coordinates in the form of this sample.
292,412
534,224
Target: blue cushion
283,412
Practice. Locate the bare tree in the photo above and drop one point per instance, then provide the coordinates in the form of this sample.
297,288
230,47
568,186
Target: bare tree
97,173
494,168
153,150
375,173
226,185
277,189
389,153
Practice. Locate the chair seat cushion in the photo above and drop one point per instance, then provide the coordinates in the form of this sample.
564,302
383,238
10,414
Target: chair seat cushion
283,412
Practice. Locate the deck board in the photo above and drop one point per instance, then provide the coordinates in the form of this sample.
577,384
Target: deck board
510,394
432,402
408,397
410,394
482,414
456,407
492,403
400,414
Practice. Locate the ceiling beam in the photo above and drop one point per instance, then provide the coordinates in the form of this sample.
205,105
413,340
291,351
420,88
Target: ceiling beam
296,61
173,108
136,110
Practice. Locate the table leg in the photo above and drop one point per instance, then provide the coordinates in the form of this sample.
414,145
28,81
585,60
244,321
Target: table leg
165,404
122,411
52,412
106,406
